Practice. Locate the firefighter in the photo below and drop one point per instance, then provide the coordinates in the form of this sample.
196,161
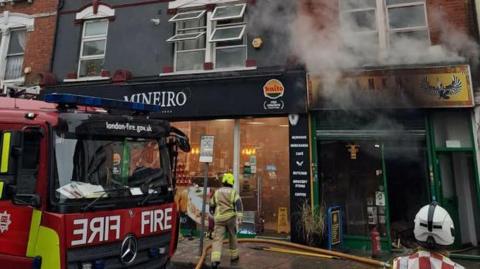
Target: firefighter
227,209
434,231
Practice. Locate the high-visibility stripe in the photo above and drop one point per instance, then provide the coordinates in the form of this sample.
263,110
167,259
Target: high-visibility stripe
5,152
1,189
216,256
33,234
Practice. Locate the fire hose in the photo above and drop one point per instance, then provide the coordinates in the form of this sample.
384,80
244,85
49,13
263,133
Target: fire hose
307,249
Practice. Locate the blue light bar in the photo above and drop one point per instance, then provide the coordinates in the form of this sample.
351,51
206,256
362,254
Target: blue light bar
105,103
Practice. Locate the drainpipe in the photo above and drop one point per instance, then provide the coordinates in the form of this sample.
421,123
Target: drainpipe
52,57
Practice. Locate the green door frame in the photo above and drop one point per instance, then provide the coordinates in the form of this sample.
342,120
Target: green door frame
364,241
435,151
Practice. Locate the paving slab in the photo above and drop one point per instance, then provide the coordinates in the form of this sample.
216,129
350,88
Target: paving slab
187,256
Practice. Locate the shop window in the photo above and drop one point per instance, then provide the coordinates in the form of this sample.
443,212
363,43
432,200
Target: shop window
386,22
225,46
452,129
14,27
93,46
264,176
190,172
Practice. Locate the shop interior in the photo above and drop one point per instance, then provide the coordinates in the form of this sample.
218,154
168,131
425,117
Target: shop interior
256,151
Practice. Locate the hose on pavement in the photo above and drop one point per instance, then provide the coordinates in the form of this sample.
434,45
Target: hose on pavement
368,261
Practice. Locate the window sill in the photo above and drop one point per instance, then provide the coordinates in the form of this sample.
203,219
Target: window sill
17,81
85,79
193,72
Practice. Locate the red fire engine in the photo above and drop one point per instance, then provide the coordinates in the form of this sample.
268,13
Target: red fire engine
83,187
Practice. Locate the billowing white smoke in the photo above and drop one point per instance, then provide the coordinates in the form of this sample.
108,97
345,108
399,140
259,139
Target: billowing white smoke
323,43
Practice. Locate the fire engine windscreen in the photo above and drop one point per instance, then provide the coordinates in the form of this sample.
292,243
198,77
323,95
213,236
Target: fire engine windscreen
95,166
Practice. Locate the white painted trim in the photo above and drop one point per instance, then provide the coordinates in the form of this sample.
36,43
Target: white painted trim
192,72
85,79
87,13
197,3
10,20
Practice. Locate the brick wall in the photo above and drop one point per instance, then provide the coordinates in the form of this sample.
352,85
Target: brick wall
456,13
39,43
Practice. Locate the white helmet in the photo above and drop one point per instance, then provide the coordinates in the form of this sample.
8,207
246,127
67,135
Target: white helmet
434,227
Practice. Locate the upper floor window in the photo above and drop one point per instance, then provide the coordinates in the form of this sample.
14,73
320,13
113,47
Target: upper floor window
216,37
407,18
13,27
384,22
15,53
93,46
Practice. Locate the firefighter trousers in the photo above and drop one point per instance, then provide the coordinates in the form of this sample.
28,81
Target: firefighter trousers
229,226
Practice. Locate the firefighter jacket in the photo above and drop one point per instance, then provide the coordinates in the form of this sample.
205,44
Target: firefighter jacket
425,260
225,204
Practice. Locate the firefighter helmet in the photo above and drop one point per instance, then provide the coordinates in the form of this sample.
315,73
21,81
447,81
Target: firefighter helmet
434,227
228,179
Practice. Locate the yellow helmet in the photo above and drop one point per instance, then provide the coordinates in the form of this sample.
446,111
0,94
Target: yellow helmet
228,179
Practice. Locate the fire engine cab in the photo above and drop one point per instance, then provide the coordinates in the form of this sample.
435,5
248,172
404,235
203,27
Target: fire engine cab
85,183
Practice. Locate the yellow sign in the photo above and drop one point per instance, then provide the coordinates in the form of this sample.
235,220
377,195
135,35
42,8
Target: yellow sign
283,225
336,239
428,87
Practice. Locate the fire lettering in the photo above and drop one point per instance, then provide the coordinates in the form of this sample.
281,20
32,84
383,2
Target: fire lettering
96,230
156,220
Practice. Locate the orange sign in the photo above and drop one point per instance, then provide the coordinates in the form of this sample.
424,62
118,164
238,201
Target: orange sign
273,89
428,87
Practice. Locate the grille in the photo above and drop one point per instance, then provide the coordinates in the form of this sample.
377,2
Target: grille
110,254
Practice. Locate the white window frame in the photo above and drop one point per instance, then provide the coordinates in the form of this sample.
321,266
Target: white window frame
10,21
182,37
240,36
212,25
242,12
200,13
89,39
407,29
382,20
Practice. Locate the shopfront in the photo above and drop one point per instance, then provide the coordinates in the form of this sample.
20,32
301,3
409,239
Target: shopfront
405,141
248,116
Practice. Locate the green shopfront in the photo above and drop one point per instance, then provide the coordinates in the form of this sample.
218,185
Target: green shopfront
406,140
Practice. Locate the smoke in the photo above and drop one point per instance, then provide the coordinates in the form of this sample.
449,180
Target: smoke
326,39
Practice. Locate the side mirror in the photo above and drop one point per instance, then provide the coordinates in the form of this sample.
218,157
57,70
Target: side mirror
27,199
181,139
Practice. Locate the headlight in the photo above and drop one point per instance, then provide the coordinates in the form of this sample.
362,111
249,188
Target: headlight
86,265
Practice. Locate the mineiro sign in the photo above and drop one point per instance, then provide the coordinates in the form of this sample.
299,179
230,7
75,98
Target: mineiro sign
159,98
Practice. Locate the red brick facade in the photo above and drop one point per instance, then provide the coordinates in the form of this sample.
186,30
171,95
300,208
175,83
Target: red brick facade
440,13
39,42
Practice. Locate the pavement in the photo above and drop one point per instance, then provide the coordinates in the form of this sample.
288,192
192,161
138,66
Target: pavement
187,256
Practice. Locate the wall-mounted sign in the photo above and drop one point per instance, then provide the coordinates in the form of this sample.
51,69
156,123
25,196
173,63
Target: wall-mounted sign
273,90
353,149
428,87
198,96
206,148
300,184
